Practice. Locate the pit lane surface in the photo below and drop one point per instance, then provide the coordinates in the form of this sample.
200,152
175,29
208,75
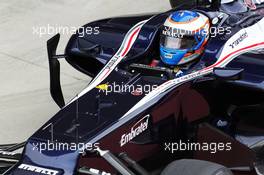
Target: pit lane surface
25,102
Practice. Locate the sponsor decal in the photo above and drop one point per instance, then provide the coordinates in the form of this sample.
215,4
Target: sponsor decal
137,92
103,87
250,4
36,169
215,20
137,129
112,62
7,153
241,38
97,172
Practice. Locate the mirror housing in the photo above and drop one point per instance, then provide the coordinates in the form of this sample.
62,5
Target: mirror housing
228,73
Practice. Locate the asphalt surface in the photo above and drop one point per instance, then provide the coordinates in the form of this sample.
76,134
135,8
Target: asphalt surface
25,102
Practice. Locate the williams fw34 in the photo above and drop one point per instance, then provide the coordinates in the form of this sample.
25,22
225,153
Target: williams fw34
214,104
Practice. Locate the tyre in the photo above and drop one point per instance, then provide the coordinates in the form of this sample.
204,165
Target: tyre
197,167
176,3
193,3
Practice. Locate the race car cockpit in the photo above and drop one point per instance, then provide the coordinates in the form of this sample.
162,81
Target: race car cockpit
183,38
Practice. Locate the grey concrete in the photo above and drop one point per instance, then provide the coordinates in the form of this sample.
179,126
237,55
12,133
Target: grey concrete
25,103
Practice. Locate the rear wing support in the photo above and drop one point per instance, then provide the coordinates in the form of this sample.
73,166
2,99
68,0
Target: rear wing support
54,68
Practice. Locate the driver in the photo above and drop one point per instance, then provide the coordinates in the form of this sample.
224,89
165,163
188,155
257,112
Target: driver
183,39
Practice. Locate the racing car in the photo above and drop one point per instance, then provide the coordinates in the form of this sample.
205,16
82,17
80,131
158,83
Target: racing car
207,120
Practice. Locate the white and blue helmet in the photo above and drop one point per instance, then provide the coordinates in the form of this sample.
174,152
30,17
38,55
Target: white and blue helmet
183,37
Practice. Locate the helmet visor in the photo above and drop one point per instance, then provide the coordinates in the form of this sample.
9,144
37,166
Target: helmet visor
184,42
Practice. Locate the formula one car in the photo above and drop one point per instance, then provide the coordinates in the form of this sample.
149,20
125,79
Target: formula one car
208,121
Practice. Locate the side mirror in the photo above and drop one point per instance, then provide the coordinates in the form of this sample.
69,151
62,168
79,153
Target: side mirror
228,73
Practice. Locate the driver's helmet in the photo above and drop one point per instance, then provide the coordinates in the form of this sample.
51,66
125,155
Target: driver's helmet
183,37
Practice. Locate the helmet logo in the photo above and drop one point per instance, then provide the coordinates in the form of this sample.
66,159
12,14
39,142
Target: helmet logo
182,14
169,31
167,55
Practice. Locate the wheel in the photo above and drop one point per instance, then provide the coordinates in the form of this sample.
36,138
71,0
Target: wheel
176,3
193,3
197,167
